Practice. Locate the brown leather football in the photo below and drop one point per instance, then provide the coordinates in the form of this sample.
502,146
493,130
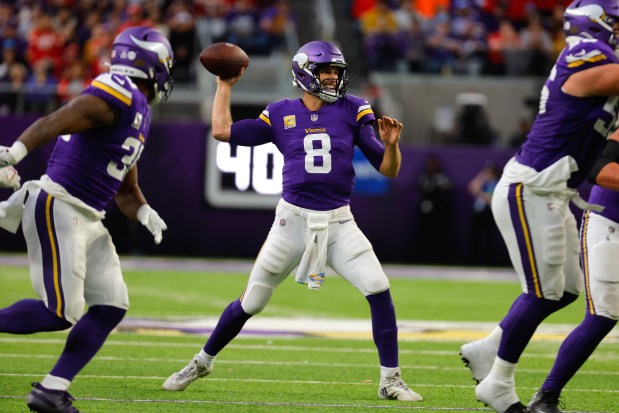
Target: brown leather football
224,59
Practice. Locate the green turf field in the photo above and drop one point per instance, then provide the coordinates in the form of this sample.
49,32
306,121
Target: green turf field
280,374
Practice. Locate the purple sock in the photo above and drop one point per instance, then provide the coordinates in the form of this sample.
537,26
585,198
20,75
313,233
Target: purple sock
523,318
30,316
86,338
384,328
576,349
229,326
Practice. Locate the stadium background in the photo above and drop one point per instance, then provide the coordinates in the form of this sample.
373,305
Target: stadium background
175,167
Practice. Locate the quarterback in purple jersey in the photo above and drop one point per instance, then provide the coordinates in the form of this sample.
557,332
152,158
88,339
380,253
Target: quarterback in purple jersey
577,109
313,223
99,136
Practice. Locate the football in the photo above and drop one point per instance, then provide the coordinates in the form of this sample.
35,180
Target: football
224,59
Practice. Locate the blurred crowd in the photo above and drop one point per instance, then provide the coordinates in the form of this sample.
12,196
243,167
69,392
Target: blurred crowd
494,37
51,49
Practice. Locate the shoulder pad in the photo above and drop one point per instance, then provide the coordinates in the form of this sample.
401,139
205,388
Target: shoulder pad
115,85
588,52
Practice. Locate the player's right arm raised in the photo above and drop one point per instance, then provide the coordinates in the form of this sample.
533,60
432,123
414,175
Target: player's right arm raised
221,120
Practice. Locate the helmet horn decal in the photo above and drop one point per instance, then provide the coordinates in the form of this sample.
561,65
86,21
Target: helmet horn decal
145,53
159,48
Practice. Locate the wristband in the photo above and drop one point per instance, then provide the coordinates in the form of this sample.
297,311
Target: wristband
142,213
18,151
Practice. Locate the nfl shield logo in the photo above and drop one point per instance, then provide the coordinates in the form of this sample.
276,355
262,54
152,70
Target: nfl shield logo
282,222
314,117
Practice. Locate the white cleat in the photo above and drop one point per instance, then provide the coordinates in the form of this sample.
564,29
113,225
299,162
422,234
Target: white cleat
191,372
478,356
499,395
394,388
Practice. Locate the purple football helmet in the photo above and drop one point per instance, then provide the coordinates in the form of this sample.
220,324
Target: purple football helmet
593,19
145,53
308,59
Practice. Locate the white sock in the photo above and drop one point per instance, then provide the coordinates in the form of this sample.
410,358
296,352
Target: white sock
206,358
55,383
387,371
503,370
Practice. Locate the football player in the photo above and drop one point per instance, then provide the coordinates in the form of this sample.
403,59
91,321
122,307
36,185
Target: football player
577,109
599,241
313,223
99,137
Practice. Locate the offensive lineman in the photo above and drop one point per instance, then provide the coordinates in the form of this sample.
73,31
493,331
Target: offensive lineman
578,108
599,240
100,137
313,223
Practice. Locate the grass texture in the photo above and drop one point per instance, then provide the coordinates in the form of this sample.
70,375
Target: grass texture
289,374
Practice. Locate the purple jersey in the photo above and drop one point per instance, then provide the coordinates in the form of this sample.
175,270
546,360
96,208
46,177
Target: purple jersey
91,165
568,125
318,147
609,199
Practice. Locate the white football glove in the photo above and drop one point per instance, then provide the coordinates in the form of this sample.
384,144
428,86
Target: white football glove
12,155
152,221
9,178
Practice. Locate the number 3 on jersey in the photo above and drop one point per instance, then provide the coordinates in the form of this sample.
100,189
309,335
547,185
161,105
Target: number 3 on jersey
322,152
134,147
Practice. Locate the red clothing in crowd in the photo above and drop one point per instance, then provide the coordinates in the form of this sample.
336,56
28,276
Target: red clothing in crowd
45,44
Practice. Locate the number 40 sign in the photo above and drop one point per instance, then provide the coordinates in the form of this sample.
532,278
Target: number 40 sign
243,177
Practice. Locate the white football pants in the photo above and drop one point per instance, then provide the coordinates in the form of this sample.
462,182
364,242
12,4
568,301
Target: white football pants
600,245
349,253
541,236
73,261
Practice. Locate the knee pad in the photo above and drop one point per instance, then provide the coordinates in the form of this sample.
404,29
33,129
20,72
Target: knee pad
606,299
275,254
256,297
364,269
604,278
74,310
365,273
376,283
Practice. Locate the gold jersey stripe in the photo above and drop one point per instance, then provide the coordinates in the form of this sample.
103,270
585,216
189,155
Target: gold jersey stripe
265,119
363,113
124,99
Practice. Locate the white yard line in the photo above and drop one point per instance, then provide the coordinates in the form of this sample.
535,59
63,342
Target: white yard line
304,382
316,364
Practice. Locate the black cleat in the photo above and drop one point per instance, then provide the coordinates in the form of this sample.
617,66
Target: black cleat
42,400
545,401
517,408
